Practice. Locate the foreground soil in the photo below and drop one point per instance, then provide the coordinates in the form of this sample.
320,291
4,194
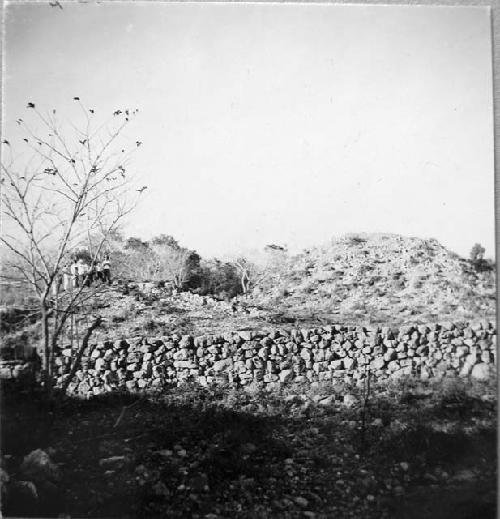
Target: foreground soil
415,450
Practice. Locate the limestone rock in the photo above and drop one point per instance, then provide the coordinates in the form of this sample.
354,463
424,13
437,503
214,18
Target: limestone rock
482,371
39,468
301,501
378,363
286,375
221,365
245,335
349,400
113,462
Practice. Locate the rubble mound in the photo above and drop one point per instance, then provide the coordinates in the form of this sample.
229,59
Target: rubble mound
387,278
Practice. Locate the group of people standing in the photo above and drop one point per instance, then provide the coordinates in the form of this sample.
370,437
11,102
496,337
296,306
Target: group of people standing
79,273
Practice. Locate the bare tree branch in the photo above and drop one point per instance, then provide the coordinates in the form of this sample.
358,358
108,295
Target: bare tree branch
72,185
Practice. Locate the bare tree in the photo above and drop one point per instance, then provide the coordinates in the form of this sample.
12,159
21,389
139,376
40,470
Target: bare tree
250,273
477,252
174,263
161,259
68,185
258,267
134,259
275,262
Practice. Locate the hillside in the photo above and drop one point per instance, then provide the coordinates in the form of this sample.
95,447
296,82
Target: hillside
311,447
383,278
357,279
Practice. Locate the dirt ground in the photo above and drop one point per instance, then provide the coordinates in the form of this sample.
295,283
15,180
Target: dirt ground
426,450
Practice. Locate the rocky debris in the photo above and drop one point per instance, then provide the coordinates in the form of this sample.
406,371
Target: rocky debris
199,483
146,294
253,451
39,468
383,277
114,462
36,481
330,354
23,492
301,501
464,475
17,369
350,400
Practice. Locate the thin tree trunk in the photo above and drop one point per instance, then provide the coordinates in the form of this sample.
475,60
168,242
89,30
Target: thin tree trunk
80,353
245,281
47,381
53,341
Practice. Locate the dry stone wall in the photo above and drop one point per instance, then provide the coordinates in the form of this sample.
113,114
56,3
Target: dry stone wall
16,369
327,354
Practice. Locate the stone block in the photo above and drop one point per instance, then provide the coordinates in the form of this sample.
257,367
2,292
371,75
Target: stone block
286,375
483,371
378,363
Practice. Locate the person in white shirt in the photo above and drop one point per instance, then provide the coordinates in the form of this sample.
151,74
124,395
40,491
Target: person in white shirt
67,278
83,270
106,270
98,270
74,273
56,285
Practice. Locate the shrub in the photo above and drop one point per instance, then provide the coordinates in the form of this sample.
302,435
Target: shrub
355,239
477,252
219,278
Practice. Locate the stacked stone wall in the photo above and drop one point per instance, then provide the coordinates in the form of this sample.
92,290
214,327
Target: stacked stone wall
328,354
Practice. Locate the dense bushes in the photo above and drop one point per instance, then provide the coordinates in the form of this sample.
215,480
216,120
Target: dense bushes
477,259
219,278
162,260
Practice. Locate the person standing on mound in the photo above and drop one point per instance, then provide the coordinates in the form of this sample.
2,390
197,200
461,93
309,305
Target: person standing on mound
106,270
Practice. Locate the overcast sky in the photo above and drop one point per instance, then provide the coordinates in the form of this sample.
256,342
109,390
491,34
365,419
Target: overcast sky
279,123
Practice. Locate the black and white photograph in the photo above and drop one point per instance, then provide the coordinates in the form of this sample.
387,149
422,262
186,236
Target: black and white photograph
247,260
